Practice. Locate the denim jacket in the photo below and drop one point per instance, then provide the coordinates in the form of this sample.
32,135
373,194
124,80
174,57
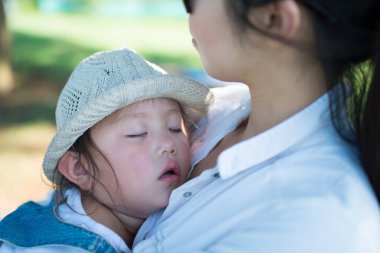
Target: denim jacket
33,225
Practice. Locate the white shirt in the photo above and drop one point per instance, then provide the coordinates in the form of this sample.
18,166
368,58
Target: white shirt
294,188
232,104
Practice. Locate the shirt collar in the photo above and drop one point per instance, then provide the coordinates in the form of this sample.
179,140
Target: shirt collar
274,141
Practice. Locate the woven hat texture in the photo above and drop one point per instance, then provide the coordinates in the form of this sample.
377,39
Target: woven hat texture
108,81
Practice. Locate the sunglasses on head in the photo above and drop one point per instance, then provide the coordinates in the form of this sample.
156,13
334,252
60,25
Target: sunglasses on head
189,5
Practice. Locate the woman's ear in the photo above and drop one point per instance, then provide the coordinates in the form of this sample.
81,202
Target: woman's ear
70,166
281,18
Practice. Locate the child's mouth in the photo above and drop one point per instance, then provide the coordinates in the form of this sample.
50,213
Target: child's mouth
171,172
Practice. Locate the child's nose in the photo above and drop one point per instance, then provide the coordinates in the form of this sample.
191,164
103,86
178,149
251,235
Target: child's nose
166,145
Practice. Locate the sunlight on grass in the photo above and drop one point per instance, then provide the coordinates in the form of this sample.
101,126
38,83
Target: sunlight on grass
168,37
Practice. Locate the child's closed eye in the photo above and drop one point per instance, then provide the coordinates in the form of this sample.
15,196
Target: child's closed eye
140,135
175,130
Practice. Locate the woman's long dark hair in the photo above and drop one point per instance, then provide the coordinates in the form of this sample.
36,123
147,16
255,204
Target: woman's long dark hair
348,46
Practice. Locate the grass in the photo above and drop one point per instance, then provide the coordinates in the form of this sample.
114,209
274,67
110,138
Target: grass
45,49
158,39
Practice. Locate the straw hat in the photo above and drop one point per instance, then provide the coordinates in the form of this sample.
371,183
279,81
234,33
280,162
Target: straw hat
108,81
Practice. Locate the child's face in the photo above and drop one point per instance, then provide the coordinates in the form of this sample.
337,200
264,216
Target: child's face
147,149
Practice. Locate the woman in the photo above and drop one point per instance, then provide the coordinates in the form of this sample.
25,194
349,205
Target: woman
301,174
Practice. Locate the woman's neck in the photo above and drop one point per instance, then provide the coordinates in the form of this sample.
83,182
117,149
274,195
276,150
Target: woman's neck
125,226
274,99
277,97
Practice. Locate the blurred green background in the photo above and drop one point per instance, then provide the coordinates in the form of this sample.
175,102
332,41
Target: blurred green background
48,38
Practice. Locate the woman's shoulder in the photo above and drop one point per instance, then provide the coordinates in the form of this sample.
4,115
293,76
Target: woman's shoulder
328,178
322,164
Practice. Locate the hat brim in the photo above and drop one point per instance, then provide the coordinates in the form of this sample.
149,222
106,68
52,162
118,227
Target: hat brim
193,96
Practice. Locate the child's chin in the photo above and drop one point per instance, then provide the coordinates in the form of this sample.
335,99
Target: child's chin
163,203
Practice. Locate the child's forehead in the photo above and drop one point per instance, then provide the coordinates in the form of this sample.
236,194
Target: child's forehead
155,104
152,101
145,107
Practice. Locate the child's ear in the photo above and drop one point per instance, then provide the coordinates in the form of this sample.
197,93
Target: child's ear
281,18
72,169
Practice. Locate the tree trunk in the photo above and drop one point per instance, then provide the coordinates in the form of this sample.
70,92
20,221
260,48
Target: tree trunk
6,73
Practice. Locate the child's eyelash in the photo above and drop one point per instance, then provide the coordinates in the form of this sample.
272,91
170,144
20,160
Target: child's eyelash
136,135
176,130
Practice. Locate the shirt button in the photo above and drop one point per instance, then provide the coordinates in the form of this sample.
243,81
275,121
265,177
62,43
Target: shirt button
217,175
187,194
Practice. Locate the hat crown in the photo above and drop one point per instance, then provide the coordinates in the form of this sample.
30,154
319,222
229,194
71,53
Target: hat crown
96,75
